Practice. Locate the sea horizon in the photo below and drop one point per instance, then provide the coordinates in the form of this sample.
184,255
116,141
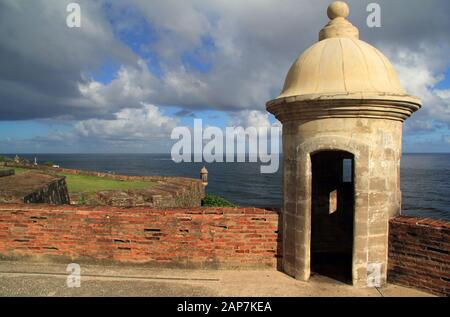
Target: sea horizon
425,177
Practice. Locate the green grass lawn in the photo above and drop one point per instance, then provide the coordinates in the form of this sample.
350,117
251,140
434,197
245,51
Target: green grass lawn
19,170
89,184
83,183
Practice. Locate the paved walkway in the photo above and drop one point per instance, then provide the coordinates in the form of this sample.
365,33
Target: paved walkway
45,279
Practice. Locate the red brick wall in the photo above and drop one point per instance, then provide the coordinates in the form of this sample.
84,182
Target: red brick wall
210,237
419,254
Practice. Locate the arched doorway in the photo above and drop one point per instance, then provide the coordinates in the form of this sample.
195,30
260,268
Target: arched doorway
332,214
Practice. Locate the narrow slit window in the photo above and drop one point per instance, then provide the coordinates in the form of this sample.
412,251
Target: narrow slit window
347,170
333,202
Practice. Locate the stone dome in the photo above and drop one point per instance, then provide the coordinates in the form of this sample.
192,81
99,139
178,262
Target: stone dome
340,66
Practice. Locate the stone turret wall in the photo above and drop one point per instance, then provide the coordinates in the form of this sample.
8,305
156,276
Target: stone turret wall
376,146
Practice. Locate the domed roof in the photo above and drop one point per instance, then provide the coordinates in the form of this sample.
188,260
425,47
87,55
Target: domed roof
340,66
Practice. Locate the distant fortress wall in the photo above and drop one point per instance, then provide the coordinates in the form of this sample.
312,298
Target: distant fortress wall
182,238
419,254
33,188
166,192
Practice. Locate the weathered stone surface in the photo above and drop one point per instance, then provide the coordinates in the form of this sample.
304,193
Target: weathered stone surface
33,188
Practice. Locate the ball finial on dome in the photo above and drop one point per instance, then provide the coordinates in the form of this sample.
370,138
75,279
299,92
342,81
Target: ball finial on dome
338,9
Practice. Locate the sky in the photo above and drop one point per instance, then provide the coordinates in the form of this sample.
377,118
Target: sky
136,69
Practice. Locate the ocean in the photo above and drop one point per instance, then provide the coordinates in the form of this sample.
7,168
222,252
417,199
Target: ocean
425,178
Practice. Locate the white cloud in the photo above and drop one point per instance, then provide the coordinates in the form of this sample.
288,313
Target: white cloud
132,85
144,124
419,76
42,59
252,118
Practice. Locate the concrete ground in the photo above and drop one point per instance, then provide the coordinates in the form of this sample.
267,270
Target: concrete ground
49,279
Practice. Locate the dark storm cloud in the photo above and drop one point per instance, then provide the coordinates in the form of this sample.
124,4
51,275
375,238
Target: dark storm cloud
42,60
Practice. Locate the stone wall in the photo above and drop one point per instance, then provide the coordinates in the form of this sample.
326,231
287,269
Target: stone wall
419,254
419,248
33,188
54,192
196,237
